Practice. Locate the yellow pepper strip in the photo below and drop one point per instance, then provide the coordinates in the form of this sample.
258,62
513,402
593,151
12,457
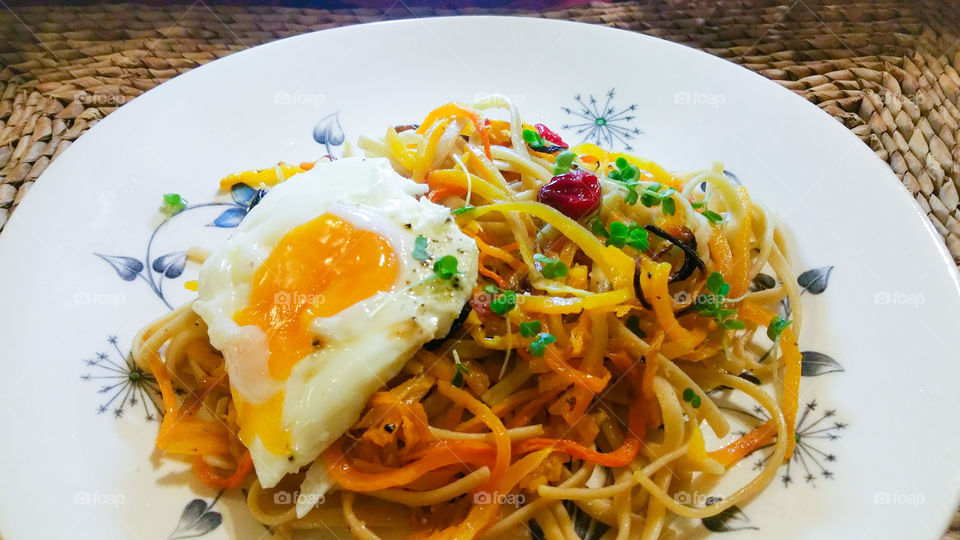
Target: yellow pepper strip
658,173
697,454
428,148
578,277
739,279
653,281
554,305
792,361
261,178
720,251
616,265
458,178
402,153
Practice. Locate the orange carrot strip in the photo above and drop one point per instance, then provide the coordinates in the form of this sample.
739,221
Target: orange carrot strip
558,364
212,479
459,110
742,447
439,455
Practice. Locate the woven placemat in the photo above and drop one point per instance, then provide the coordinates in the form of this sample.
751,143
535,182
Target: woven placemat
886,69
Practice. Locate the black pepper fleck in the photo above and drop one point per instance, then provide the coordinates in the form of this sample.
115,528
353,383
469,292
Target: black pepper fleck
389,428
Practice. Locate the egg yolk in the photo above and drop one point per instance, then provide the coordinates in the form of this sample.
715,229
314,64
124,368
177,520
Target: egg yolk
318,269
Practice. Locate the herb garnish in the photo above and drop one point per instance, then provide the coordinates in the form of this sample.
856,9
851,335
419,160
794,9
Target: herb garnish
533,138
691,397
173,203
420,249
446,267
711,304
501,301
712,216
460,370
776,326
539,346
530,329
550,268
620,234
561,163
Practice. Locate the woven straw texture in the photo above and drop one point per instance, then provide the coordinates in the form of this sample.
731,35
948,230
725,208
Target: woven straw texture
887,70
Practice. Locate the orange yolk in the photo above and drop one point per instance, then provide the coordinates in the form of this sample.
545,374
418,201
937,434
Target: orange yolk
318,269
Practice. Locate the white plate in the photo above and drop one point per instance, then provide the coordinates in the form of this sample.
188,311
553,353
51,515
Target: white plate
879,448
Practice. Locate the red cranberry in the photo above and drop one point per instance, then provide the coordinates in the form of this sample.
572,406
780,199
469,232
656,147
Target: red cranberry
576,194
549,135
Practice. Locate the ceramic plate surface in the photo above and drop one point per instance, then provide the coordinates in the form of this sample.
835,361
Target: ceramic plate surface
88,259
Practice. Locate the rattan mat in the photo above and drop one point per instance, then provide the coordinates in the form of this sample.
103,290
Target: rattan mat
887,70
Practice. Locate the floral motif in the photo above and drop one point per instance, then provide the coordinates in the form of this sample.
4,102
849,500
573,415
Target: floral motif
171,265
812,430
197,519
603,124
328,132
125,384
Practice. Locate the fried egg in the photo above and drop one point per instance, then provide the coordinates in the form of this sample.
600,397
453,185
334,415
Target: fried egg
316,301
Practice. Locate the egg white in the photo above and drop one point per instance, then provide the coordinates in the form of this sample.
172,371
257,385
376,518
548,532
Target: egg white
364,345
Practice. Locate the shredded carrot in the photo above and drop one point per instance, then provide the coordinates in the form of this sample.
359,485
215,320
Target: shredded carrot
438,194
528,411
742,447
486,272
636,431
212,479
459,110
437,454
556,361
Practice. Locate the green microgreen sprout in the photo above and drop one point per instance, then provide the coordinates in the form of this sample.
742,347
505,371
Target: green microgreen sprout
530,329
539,345
711,304
776,326
501,301
460,370
173,203
420,249
550,268
563,161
